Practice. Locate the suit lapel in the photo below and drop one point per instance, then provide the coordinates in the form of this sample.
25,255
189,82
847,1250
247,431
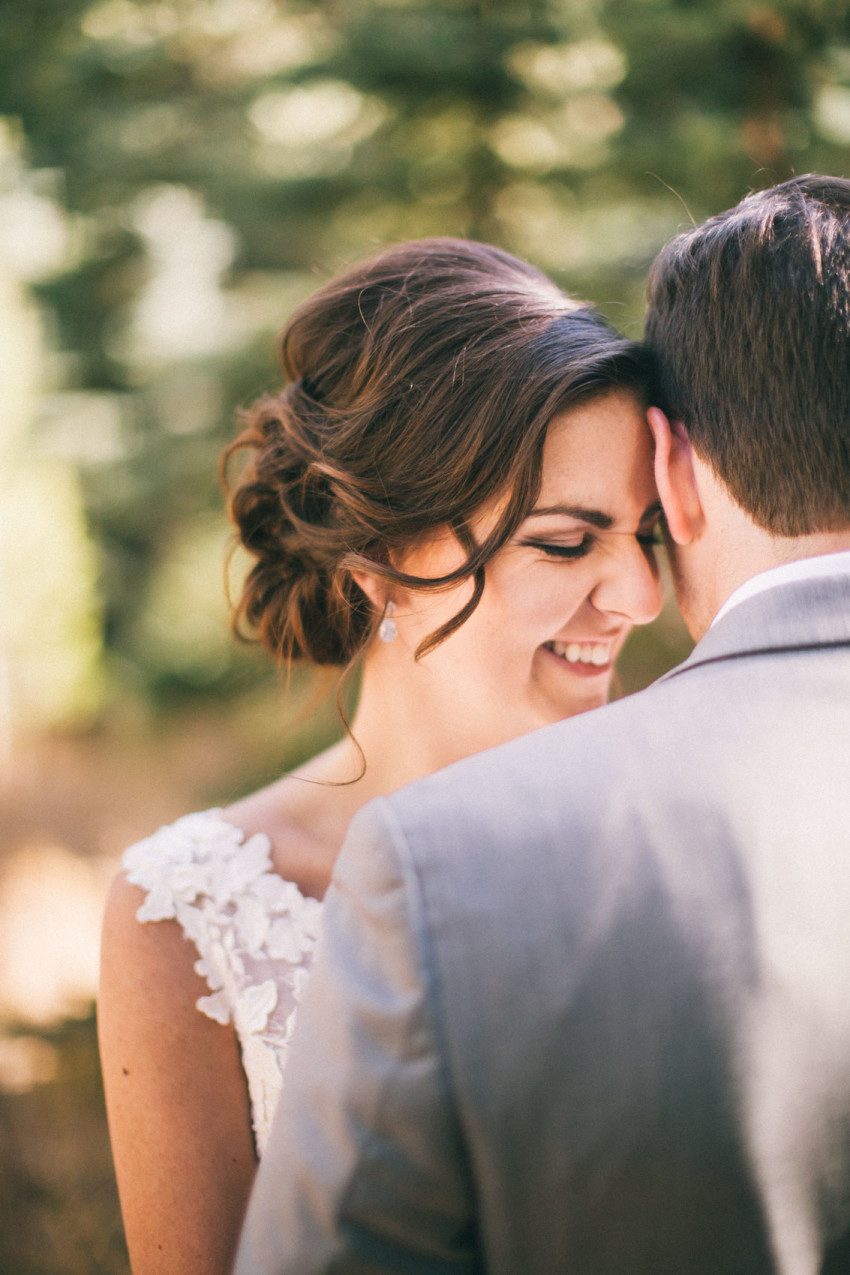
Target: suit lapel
804,616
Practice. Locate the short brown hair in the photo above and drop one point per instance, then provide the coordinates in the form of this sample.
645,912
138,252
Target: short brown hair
749,317
421,385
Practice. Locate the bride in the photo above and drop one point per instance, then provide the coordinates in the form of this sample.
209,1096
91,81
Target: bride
455,490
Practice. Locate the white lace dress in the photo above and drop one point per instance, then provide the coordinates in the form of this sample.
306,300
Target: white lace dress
255,934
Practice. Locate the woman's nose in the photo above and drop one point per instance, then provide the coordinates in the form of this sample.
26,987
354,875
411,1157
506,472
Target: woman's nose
631,586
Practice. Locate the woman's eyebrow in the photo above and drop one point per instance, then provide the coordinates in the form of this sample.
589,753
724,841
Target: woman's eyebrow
595,517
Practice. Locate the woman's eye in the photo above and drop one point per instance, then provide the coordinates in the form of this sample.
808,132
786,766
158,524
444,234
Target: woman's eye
562,551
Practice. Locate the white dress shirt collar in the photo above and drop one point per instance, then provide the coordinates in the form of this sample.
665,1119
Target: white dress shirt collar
824,564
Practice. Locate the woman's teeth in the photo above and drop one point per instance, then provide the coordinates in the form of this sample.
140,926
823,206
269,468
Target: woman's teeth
582,652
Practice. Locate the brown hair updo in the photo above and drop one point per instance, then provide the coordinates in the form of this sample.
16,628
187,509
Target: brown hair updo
420,387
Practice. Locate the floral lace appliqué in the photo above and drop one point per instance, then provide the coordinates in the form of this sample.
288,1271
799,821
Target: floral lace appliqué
254,932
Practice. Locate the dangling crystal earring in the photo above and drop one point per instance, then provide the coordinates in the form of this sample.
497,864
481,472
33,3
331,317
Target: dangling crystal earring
387,630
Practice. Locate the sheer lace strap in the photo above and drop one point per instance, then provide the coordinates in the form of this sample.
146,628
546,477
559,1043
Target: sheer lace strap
222,889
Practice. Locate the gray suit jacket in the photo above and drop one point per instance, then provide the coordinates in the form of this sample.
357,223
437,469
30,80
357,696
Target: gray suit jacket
584,1000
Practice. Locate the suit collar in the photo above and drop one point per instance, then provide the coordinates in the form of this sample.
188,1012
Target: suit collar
807,615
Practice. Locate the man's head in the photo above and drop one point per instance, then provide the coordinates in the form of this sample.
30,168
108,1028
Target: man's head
749,316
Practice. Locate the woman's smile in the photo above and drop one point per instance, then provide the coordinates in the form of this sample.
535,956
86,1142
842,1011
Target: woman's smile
589,658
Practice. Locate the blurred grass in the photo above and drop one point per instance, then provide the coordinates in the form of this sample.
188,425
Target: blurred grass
59,1210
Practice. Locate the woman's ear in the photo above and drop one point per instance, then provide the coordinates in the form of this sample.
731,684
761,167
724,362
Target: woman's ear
675,478
376,590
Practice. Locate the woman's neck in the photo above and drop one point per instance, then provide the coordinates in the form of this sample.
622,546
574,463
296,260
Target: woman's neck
392,743
407,729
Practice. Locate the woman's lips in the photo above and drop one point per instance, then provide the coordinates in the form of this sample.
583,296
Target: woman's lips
586,659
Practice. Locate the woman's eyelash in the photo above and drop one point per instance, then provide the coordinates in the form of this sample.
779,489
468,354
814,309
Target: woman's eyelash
646,539
562,551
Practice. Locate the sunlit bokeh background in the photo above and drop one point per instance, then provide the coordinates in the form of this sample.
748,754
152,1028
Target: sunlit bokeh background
174,176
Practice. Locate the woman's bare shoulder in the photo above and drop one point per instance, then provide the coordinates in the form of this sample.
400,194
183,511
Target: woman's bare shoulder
268,810
146,969
148,1019
175,1092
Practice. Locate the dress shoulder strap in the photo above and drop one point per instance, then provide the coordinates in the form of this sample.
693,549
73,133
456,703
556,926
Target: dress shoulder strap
254,932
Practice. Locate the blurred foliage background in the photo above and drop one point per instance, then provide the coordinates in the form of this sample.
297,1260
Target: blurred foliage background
174,176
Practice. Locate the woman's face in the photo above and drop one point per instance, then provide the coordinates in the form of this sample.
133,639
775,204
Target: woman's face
560,598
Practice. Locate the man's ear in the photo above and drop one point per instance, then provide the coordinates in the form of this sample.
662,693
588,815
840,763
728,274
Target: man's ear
675,478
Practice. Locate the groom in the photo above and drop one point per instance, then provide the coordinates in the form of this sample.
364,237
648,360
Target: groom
584,1001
